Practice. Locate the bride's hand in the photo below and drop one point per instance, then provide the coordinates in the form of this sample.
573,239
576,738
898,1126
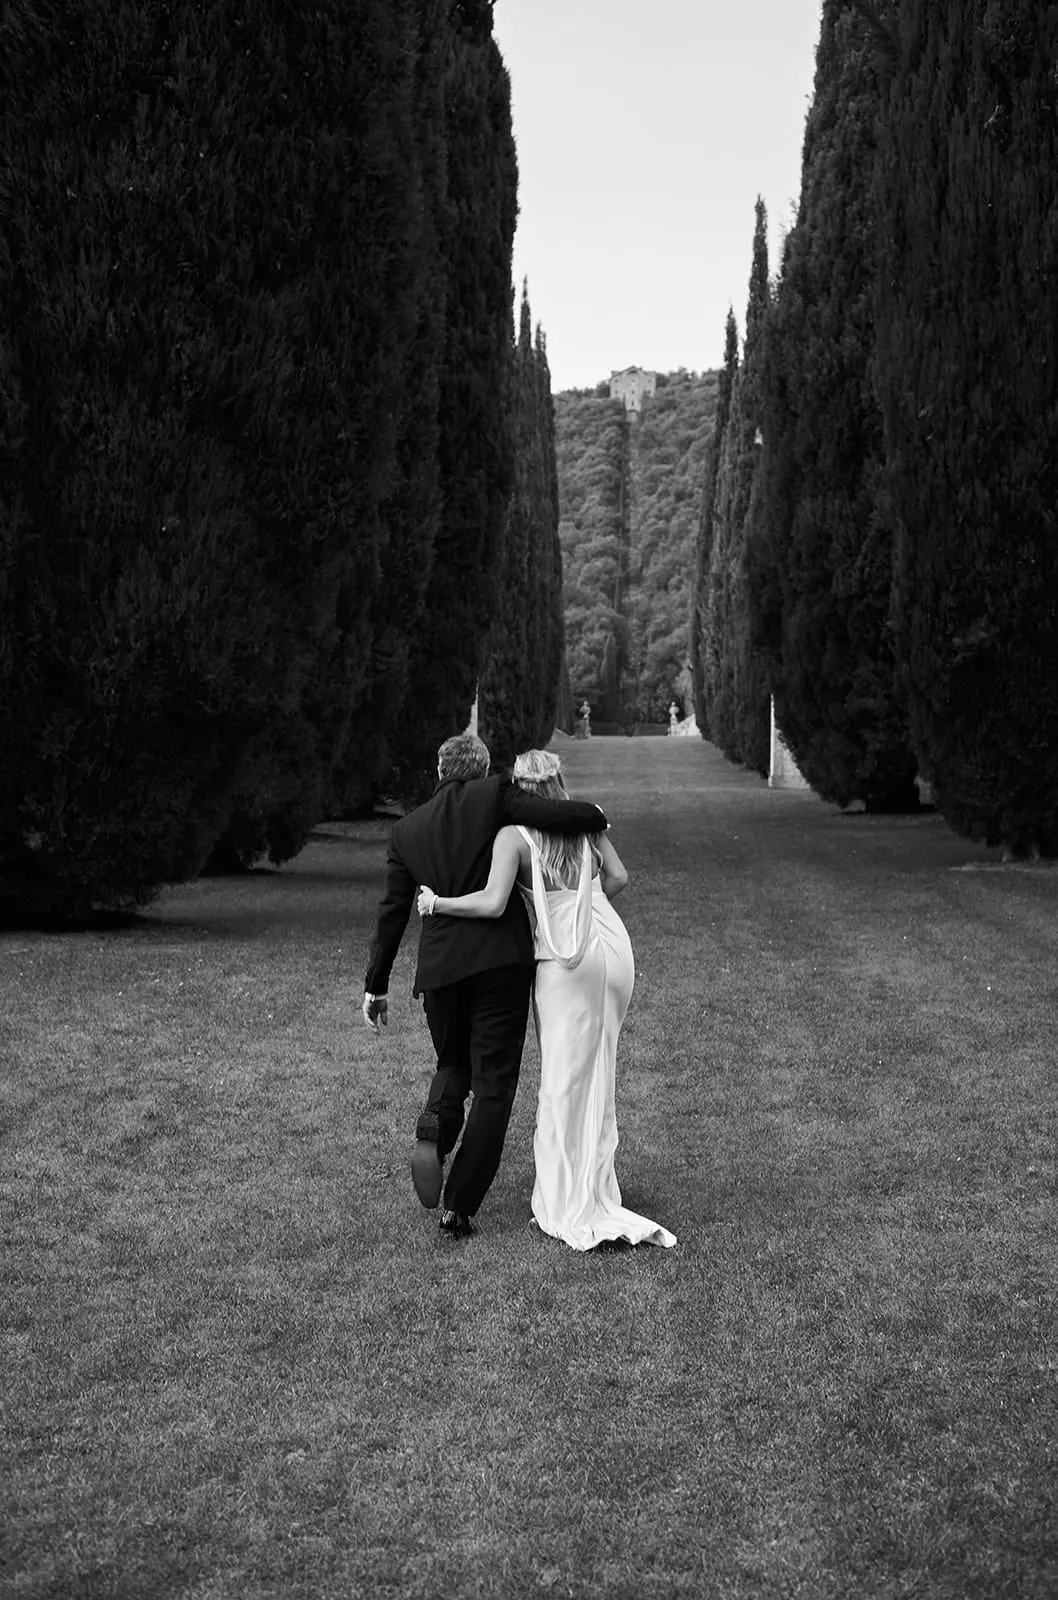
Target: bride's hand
427,901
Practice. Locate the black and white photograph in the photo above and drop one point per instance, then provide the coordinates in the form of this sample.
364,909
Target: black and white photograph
528,799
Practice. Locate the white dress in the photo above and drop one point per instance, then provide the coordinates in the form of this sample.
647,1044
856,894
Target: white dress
584,977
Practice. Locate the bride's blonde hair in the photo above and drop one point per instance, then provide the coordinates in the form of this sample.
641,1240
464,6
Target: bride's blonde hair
540,772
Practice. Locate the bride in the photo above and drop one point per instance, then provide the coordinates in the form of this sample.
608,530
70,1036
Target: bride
584,976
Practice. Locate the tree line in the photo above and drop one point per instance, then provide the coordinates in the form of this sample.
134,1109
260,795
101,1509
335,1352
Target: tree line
281,484
270,450
878,541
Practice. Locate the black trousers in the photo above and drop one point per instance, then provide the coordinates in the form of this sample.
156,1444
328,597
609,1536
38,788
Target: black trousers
478,1029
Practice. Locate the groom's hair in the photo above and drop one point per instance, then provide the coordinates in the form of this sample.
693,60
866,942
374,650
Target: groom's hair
465,756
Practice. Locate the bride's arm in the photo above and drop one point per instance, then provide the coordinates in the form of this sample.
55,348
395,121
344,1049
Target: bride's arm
612,874
487,902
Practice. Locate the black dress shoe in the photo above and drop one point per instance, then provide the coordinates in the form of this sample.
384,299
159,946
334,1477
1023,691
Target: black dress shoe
456,1225
427,1168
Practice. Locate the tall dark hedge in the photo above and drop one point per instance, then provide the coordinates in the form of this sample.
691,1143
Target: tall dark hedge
702,683
211,224
518,688
968,380
505,684
547,628
410,512
475,446
736,688
820,559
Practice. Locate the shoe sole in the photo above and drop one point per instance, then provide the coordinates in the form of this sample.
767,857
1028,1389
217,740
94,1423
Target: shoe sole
427,1173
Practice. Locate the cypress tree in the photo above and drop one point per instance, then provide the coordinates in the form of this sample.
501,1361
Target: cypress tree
518,690
410,513
475,448
736,687
819,562
721,598
700,614
565,715
967,362
332,753
504,688
752,684
548,628
209,228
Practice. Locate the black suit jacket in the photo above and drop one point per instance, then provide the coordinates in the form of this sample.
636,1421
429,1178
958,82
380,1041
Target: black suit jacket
447,844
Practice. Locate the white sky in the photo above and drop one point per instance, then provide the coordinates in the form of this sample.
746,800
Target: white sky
645,130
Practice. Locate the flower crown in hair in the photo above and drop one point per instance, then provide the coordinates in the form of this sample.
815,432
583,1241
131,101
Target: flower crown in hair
536,766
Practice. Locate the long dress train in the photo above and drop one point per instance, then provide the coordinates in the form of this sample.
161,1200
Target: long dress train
584,978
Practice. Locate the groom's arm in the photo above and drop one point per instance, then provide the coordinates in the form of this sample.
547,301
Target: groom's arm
394,909
550,816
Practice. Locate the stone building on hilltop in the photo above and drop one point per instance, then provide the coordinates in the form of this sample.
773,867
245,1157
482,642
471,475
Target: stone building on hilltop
631,384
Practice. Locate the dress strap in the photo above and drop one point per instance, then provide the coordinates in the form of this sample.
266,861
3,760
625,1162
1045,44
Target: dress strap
582,922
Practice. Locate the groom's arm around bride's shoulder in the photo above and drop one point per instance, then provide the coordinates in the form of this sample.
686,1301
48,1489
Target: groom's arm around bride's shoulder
550,816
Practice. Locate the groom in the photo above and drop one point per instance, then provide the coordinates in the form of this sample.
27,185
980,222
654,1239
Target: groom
475,976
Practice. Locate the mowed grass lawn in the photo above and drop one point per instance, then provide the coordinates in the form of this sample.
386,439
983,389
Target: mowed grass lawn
239,1362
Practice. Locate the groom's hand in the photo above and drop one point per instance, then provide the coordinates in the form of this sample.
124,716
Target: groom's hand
376,1011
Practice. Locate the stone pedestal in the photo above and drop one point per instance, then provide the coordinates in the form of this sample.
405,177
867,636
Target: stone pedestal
784,772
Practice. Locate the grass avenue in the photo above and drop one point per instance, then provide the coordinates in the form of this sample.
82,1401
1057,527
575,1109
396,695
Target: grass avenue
238,1362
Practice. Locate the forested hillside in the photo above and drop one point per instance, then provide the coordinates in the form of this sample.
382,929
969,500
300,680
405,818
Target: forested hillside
630,497
590,443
